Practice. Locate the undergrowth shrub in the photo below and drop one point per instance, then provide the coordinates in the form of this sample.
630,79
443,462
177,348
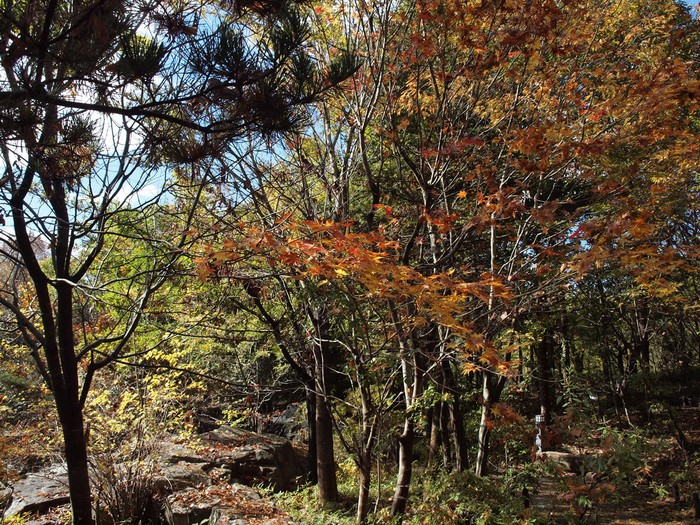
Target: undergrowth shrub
126,423
304,507
29,432
463,498
124,484
436,498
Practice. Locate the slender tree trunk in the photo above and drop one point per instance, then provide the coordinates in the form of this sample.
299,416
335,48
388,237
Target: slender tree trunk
325,455
61,365
445,436
70,413
456,418
413,372
434,433
77,464
403,479
311,425
325,460
460,437
545,350
370,422
492,388
365,468
482,455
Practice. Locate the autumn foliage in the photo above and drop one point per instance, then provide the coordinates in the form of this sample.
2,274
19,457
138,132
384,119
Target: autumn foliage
487,211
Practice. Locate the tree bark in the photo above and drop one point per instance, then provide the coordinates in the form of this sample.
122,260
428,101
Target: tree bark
482,455
445,436
365,468
70,412
545,380
434,433
325,454
311,425
76,464
403,479
325,460
413,375
492,387
456,418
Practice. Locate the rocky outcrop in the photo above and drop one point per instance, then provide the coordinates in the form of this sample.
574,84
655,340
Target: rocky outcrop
252,458
216,464
289,423
39,491
5,497
576,463
225,504
232,455
217,504
172,477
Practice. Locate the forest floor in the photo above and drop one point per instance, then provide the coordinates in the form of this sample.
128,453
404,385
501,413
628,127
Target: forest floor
648,501
640,504
644,509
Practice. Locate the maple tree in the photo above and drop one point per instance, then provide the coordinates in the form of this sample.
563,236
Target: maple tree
504,145
326,256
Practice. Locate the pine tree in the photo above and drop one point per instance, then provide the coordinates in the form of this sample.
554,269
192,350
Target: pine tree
99,101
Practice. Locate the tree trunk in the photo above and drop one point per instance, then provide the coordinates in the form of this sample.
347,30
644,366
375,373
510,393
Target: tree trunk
492,388
325,455
545,381
370,422
403,479
365,468
482,455
460,437
456,417
311,425
60,369
445,436
434,433
76,464
67,395
413,376
325,460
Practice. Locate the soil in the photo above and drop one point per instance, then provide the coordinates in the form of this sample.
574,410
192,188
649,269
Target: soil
641,505
636,509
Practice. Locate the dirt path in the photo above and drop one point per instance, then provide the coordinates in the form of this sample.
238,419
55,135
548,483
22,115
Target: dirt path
644,511
640,509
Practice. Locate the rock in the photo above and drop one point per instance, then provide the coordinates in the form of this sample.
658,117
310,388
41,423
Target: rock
290,423
571,462
220,475
233,437
231,455
195,472
186,508
170,452
173,477
5,496
180,467
256,458
218,505
40,491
